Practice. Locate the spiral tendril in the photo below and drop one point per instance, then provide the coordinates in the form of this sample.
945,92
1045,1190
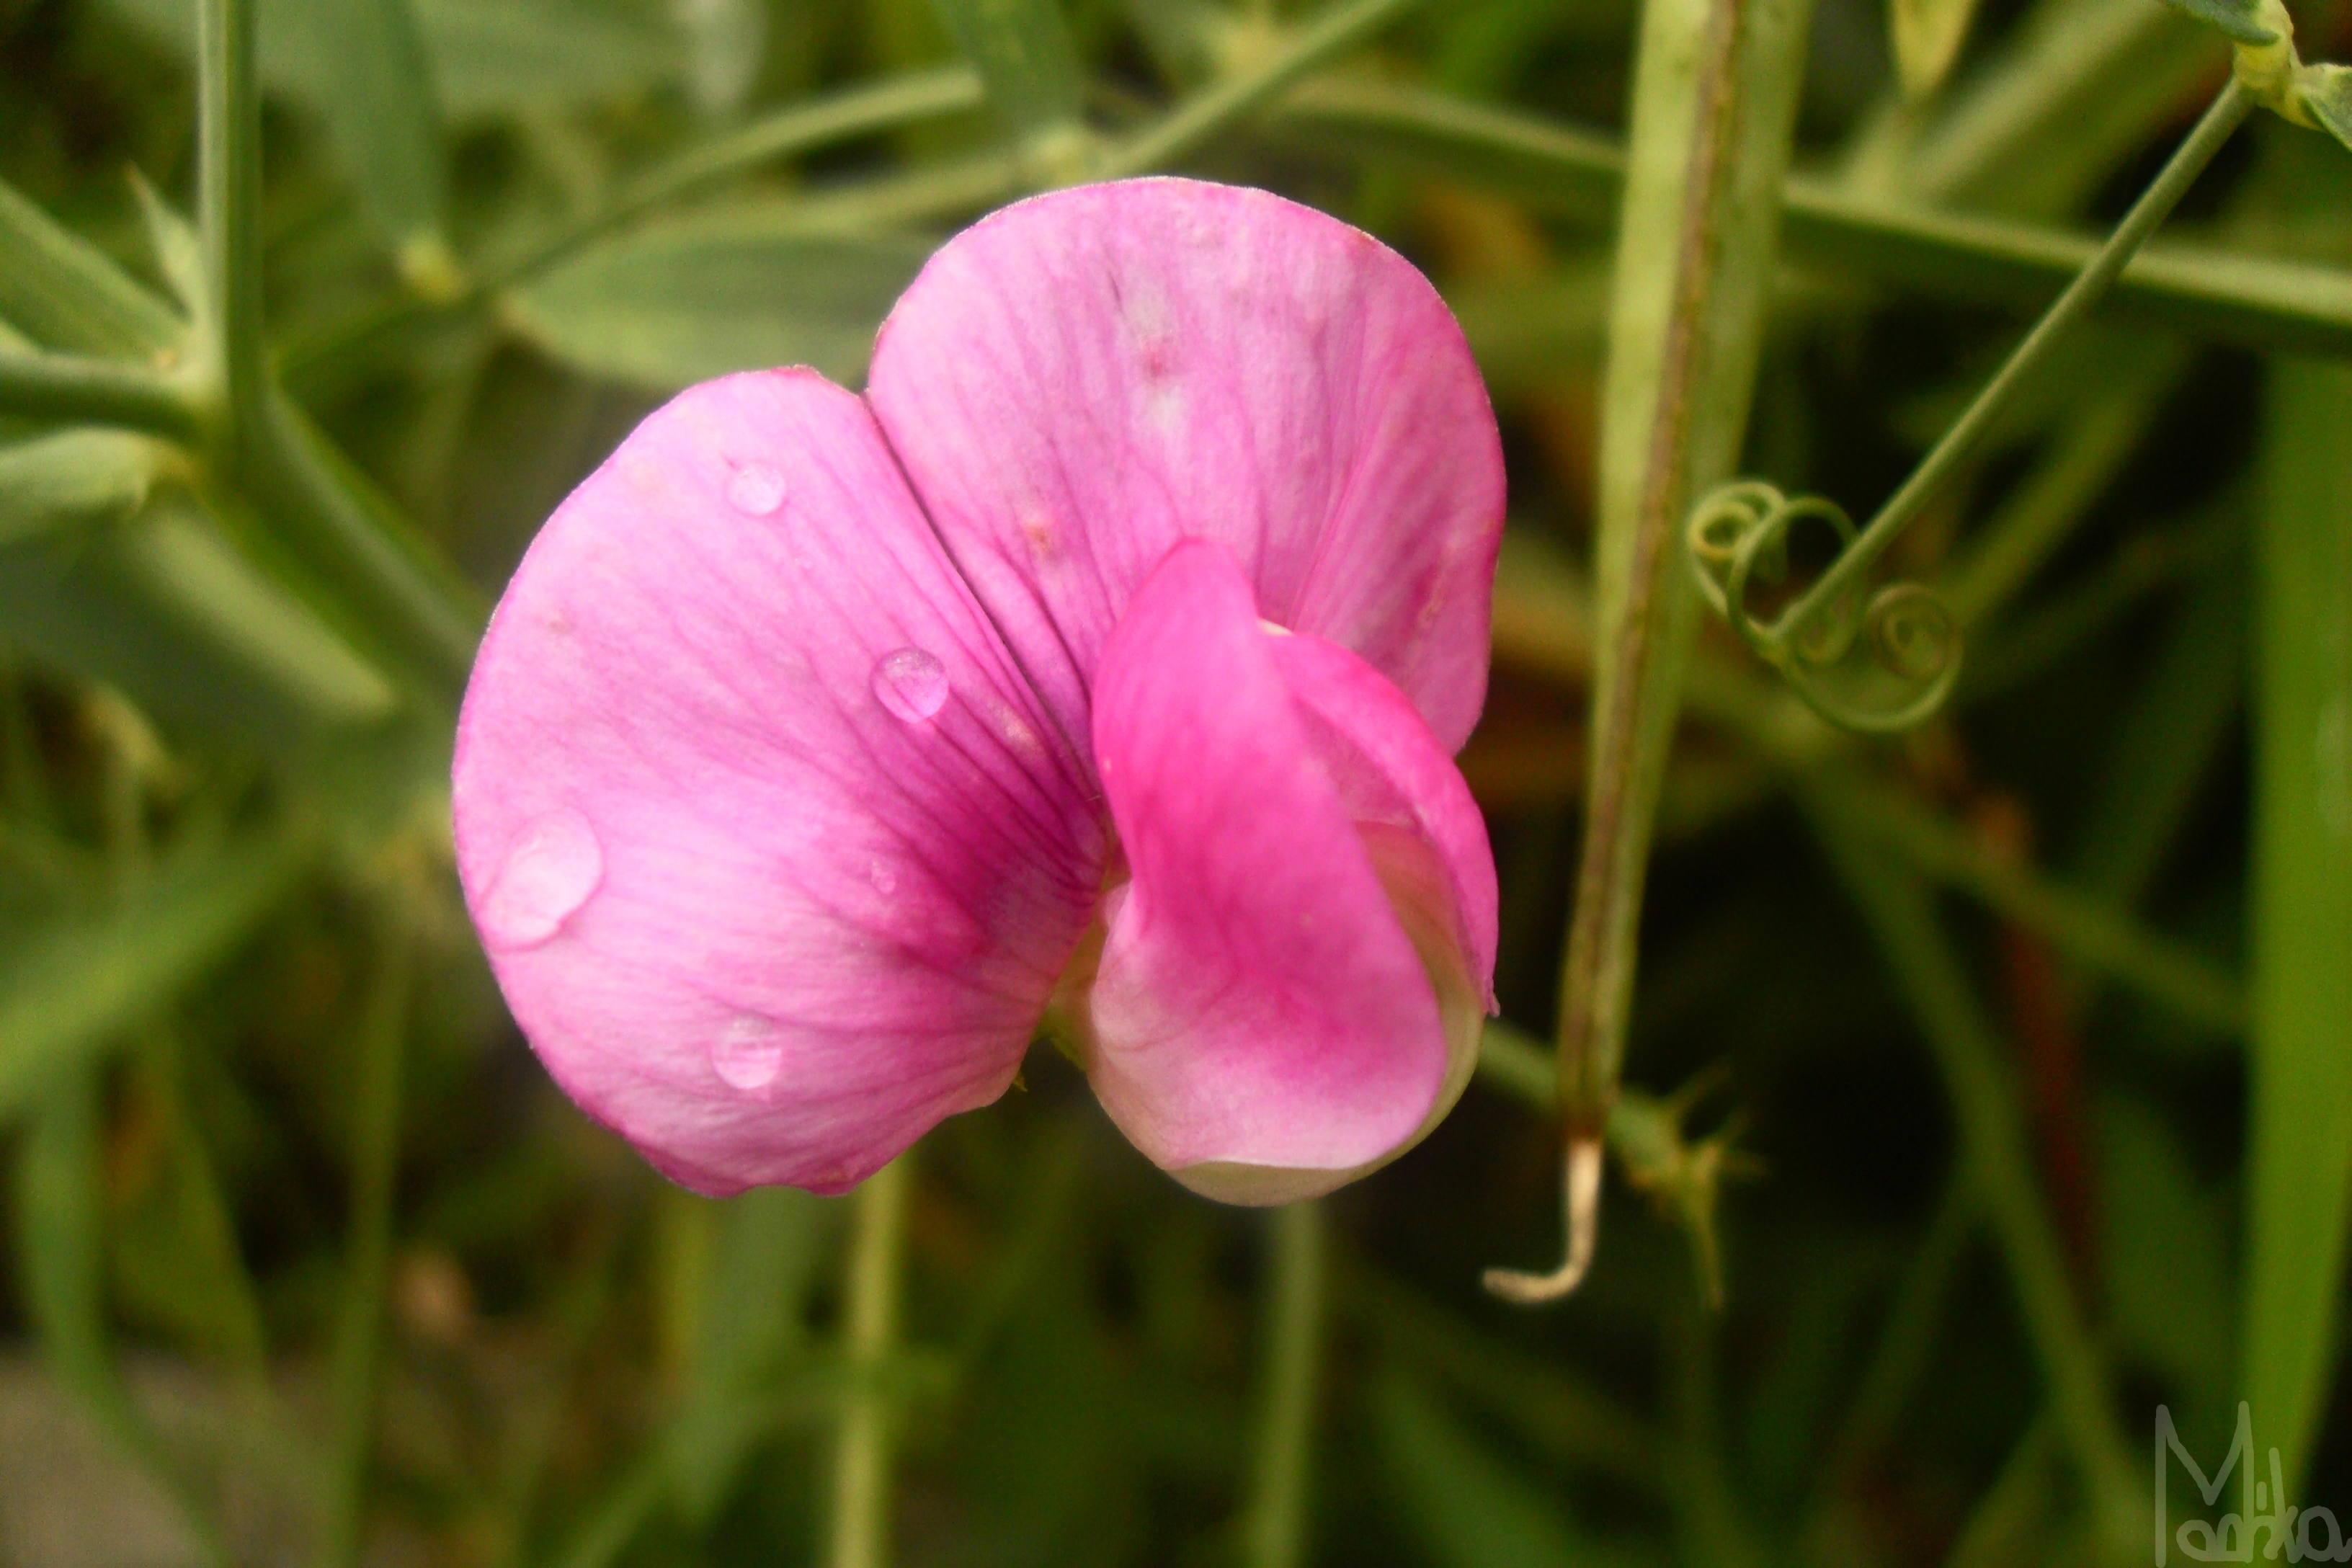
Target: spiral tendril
1878,664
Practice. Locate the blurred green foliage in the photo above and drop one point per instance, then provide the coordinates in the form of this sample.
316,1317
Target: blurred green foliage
313,1263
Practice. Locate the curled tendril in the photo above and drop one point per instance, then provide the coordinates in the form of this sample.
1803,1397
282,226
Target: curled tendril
1908,638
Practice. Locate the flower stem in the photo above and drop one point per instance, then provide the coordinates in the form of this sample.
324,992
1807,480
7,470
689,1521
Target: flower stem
1275,1527
861,1491
1994,1140
228,198
1713,117
1203,115
2230,107
376,1151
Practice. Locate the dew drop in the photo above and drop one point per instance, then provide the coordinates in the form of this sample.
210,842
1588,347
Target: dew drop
911,683
884,880
749,1053
551,872
756,488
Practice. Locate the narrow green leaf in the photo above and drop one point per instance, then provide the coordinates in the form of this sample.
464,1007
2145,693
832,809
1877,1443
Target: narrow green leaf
487,56
75,476
1470,1509
1021,50
163,605
769,1244
66,293
61,1234
69,991
741,291
2326,93
2241,20
176,1261
2204,292
1927,35
386,121
2077,87
2299,1162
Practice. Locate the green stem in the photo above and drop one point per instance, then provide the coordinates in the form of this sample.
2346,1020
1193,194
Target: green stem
862,1486
375,1154
1994,1139
1203,115
2230,107
228,198
66,387
1276,1530
2085,928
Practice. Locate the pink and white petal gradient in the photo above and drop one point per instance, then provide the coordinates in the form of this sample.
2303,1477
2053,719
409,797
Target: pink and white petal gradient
776,853
1085,378
1263,1024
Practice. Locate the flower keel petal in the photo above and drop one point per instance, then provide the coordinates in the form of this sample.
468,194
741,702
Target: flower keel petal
1262,1026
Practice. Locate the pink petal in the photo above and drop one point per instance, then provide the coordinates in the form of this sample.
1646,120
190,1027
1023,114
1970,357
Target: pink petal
1262,1026
1080,381
1393,776
775,854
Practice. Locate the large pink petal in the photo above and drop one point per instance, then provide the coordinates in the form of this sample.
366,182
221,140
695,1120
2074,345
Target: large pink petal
775,854
1263,1027
1083,379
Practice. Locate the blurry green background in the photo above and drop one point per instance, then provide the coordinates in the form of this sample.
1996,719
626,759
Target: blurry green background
2034,1030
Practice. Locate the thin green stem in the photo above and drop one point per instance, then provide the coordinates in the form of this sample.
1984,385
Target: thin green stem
802,127
375,1153
2228,109
66,387
2084,927
862,1493
799,129
1274,1531
228,198
1203,115
1999,1161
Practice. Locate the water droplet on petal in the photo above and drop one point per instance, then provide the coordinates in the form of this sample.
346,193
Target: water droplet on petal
911,683
756,488
884,880
749,1053
551,872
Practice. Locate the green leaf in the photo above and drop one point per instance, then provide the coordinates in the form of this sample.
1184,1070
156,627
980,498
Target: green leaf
68,992
385,120
769,1244
1470,1508
75,476
163,605
2326,93
487,56
61,1233
176,1261
66,293
2078,87
2240,20
2207,293
2164,1250
2299,1162
1021,50
686,301
1927,35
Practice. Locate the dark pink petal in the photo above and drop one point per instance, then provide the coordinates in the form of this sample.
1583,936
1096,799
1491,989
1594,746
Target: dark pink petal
1080,381
775,854
1263,1027
1393,776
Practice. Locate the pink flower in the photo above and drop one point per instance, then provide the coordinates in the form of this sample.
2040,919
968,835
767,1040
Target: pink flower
1102,665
